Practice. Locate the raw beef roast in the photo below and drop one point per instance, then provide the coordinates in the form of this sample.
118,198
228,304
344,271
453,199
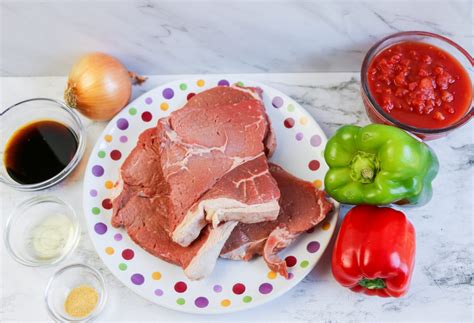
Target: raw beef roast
198,147
247,194
302,206
204,160
198,185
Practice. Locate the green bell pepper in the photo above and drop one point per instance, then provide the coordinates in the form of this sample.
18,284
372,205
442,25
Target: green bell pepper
377,165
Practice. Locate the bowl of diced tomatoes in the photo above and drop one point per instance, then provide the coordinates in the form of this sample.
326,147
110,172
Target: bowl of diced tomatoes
420,82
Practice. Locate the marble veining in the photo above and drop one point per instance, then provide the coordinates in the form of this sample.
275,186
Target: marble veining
443,279
211,36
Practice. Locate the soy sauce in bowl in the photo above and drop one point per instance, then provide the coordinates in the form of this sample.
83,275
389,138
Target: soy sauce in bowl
38,151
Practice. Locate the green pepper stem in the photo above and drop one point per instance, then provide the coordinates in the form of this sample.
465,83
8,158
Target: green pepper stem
364,167
377,283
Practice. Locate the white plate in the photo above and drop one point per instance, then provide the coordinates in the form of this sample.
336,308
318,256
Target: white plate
234,285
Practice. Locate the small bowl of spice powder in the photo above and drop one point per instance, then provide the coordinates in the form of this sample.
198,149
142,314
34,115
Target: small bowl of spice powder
75,293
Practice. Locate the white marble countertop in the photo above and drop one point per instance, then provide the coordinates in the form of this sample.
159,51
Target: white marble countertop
442,286
214,36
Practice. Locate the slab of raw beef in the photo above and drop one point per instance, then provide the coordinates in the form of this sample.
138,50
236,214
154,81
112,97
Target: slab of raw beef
223,95
188,162
216,131
140,174
247,194
145,220
302,206
199,145
143,209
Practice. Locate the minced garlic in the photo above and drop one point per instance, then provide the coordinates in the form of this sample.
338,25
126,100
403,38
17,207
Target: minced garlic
51,237
81,301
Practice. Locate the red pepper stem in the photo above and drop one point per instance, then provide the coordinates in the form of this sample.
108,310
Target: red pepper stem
377,283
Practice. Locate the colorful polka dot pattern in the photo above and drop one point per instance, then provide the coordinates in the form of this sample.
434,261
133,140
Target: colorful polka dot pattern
100,228
314,165
122,124
265,288
168,93
147,116
289,123
128,254
313,246
97,170
238,288
148,113
115,154
290,261
277,102
225,302
201,302
137,279
272,275
180,287
164,106
107,204
247,299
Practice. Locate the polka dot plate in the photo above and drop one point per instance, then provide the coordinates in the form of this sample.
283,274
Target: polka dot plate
234,285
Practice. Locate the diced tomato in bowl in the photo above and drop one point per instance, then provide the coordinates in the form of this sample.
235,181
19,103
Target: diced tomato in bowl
420,82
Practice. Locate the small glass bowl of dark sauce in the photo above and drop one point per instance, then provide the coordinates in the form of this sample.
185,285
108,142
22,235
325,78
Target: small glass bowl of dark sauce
41,142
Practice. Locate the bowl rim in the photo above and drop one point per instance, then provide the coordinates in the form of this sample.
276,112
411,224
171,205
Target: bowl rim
28,203
100,305
372,53
81,145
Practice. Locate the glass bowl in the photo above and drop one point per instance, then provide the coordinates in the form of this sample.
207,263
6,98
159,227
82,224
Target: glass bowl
20,230
38,109
378,115
63,281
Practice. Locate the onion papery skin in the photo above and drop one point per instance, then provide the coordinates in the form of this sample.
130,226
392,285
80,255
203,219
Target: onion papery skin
99,86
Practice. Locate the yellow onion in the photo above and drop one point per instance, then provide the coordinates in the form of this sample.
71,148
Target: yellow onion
99,86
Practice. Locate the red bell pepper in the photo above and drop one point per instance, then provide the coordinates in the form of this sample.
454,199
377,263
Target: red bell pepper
375,251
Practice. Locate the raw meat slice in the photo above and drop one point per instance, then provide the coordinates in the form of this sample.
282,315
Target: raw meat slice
302,206
199,146
140,174
247,194
223,95
145,216
145,221
182,160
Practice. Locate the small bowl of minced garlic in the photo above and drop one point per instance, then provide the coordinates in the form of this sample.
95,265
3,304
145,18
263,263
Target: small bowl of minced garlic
75,293
42,231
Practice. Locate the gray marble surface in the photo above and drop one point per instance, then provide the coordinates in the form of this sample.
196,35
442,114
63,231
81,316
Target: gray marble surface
213,36
442,286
